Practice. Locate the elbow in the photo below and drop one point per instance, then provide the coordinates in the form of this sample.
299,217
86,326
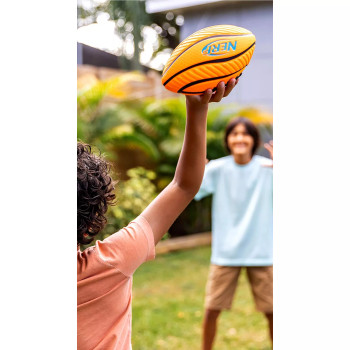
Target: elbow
191,189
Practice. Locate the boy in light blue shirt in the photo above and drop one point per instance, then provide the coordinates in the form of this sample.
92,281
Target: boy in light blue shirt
241,185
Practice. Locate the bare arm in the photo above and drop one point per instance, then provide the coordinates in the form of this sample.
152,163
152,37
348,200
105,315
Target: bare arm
169,204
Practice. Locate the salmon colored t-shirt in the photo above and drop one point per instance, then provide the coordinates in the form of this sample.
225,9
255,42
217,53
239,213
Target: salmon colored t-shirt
105,283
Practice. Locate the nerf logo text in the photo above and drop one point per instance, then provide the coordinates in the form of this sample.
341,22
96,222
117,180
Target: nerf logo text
219,47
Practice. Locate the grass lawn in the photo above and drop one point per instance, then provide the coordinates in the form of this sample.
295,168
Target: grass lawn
168,296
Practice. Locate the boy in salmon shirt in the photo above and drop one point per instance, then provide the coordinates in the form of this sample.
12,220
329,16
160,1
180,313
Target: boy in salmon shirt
105,270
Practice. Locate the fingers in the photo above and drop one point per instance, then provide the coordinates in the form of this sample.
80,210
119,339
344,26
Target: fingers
205,98
221,91
219,94
230,85
268,146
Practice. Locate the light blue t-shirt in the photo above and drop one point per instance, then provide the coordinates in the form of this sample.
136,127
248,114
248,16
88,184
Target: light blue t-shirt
241,211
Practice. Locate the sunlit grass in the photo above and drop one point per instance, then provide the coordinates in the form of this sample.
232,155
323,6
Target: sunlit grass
168,296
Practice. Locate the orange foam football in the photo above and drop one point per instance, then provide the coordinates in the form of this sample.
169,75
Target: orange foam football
208,56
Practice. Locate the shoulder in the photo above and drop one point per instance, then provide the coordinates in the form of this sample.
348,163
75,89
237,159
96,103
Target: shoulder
263,160
128,248
219,163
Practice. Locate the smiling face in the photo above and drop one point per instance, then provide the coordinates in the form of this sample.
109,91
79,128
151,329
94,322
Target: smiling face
240,142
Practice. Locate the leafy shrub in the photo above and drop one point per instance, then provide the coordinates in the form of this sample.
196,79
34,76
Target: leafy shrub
133,196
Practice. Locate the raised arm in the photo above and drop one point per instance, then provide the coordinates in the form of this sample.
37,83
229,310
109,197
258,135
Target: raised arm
169,204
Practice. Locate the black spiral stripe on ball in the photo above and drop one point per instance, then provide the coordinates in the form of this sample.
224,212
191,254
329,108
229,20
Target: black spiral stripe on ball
204,80
211,61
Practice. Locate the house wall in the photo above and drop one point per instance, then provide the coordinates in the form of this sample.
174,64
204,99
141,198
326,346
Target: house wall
255,85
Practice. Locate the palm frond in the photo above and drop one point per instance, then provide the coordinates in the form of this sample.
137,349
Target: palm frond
119,137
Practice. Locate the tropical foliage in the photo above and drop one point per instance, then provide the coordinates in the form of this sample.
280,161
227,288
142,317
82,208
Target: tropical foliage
154,129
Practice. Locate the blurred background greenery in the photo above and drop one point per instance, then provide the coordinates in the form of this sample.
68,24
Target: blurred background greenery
142,138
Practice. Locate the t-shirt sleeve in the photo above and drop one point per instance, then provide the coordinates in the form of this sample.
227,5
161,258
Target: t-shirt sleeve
266,161
128,248
208,183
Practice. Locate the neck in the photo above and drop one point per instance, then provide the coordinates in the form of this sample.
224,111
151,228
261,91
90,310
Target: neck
242,158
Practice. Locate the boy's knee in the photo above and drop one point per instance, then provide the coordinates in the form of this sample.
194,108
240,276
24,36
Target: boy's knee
212,314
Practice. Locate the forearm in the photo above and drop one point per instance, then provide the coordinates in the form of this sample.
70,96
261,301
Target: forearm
163,210
190,168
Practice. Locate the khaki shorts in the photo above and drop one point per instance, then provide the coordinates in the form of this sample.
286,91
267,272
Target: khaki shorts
223,280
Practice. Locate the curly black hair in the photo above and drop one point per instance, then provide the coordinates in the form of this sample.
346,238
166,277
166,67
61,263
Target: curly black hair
95,193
